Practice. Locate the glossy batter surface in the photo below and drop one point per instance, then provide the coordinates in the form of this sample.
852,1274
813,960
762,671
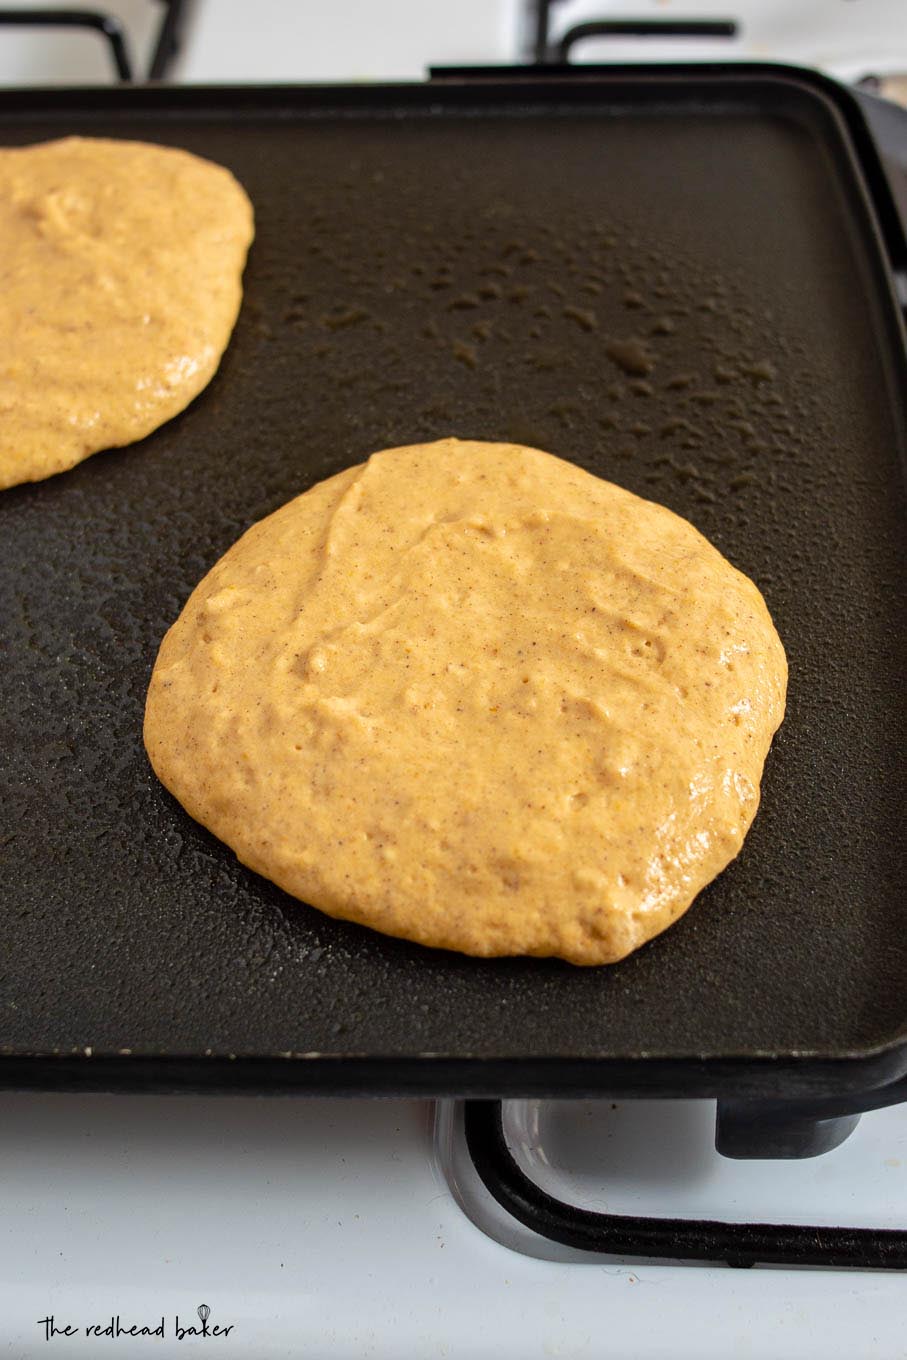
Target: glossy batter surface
120,282
472,695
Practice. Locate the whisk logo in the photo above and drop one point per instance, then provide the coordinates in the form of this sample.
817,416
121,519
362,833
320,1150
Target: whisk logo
206,1328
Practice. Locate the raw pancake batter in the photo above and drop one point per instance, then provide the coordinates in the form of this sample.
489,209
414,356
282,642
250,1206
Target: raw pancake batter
120,282
471,695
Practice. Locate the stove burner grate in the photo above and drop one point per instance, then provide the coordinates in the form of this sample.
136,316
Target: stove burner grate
745,1129
110,28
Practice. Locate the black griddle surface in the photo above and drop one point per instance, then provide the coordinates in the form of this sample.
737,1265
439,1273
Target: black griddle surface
431,263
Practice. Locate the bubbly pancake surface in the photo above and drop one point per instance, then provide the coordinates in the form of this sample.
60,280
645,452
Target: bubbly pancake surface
474,696
120,282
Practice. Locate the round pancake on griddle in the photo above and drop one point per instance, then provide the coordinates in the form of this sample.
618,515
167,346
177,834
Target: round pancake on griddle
121,267
474,696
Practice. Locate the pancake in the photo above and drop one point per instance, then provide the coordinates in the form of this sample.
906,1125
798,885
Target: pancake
471,695
120,275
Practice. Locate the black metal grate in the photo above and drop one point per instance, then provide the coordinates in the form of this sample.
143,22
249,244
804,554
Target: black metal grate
165,48
545,52
667,1239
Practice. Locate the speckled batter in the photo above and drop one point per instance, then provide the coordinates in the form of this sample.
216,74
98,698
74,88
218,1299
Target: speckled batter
120,280
471,695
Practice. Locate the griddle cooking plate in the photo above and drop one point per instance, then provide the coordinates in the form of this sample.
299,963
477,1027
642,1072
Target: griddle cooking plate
438,260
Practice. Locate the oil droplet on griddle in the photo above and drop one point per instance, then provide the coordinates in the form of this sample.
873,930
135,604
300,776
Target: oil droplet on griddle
341,320
463,303
465,354
586,320
633,356
763,371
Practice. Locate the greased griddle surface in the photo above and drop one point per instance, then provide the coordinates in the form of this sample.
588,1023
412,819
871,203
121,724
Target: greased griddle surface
487,272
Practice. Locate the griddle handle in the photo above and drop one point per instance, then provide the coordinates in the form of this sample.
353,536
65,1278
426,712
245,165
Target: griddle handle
795,1129
737,1244
747,1130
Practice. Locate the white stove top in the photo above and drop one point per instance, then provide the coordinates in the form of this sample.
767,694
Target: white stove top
324,1228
